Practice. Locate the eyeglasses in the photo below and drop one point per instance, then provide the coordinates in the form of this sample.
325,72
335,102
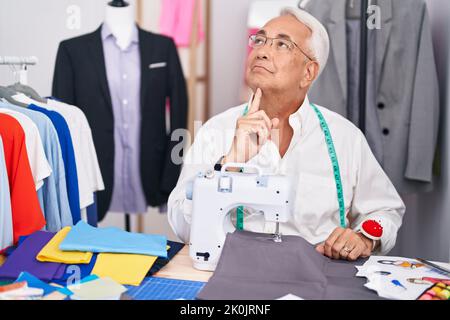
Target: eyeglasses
281,45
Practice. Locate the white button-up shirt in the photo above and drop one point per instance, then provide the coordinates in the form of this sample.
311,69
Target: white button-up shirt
368,192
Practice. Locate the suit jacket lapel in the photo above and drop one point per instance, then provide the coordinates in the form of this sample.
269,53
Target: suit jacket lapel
98,59
146,51
382,38
337,29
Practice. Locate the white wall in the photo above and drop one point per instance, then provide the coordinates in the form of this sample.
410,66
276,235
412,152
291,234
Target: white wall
35,28
228,42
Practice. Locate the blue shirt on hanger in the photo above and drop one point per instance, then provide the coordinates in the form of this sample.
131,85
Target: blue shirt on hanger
68,155
53,194
6,226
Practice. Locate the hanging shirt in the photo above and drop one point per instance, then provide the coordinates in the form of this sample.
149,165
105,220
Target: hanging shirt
27,215
40,168
6,226
88,169
53,195
177,21
123,68
314,210
68,155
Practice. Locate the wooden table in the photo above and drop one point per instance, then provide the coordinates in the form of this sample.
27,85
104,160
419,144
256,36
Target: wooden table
181,268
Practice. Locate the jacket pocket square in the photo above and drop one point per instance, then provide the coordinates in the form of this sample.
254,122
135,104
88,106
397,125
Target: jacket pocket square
157,65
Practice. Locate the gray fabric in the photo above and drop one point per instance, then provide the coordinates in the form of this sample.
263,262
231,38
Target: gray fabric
373,132
254,267
405,83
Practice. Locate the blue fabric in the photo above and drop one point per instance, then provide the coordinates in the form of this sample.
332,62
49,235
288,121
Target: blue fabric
9,251
160,263
92,215
53,194
6,224
68,154
84,237
34,282
84,271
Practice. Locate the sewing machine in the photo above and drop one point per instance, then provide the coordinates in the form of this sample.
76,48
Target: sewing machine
214,194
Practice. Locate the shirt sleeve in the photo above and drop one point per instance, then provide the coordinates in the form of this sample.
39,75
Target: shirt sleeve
202,155
40,167
374,196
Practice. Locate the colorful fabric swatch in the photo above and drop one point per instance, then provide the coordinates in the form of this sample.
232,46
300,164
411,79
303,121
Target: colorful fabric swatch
99,289
23,259
127,269
34,282
52,253
86,238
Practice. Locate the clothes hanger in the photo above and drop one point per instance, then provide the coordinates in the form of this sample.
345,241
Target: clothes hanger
8,94
28,91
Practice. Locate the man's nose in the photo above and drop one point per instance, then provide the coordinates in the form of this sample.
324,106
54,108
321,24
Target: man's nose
264,52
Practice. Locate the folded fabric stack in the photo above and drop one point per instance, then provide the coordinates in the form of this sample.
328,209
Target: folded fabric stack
114,257
399,278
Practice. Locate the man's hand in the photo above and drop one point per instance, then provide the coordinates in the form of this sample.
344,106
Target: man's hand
346,244
252,132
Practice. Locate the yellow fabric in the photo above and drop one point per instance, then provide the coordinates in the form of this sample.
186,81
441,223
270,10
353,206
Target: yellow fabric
2,260
52,253
126,269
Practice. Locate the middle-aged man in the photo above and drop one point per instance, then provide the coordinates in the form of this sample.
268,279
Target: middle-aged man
280,130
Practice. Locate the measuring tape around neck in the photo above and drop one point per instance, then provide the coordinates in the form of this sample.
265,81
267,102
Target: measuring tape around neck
334,163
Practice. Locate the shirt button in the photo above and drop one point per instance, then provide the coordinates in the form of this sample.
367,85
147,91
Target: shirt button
125,102
125,77
386,131
381,106
125,126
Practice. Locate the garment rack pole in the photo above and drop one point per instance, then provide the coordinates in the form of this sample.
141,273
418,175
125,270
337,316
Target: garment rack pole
23,62
363,67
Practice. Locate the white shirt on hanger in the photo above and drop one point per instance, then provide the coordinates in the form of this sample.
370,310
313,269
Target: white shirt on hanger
40,168
368,192
88,169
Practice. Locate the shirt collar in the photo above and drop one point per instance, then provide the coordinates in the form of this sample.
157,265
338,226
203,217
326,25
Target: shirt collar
298,119
106,33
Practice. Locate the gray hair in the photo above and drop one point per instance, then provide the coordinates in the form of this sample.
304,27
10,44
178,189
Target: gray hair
319,42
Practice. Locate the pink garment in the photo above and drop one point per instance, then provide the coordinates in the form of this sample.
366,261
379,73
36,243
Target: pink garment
176,21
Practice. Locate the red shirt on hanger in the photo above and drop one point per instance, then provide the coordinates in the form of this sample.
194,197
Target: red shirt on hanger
27,215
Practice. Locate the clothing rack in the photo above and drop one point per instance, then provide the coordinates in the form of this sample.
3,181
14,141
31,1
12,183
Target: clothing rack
23,63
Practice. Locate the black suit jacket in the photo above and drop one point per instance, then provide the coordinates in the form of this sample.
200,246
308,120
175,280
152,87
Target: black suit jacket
80,79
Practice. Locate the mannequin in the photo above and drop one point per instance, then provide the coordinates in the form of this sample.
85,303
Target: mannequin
123,77
120,20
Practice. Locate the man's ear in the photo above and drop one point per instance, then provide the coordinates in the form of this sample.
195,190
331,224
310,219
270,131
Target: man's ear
310,74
